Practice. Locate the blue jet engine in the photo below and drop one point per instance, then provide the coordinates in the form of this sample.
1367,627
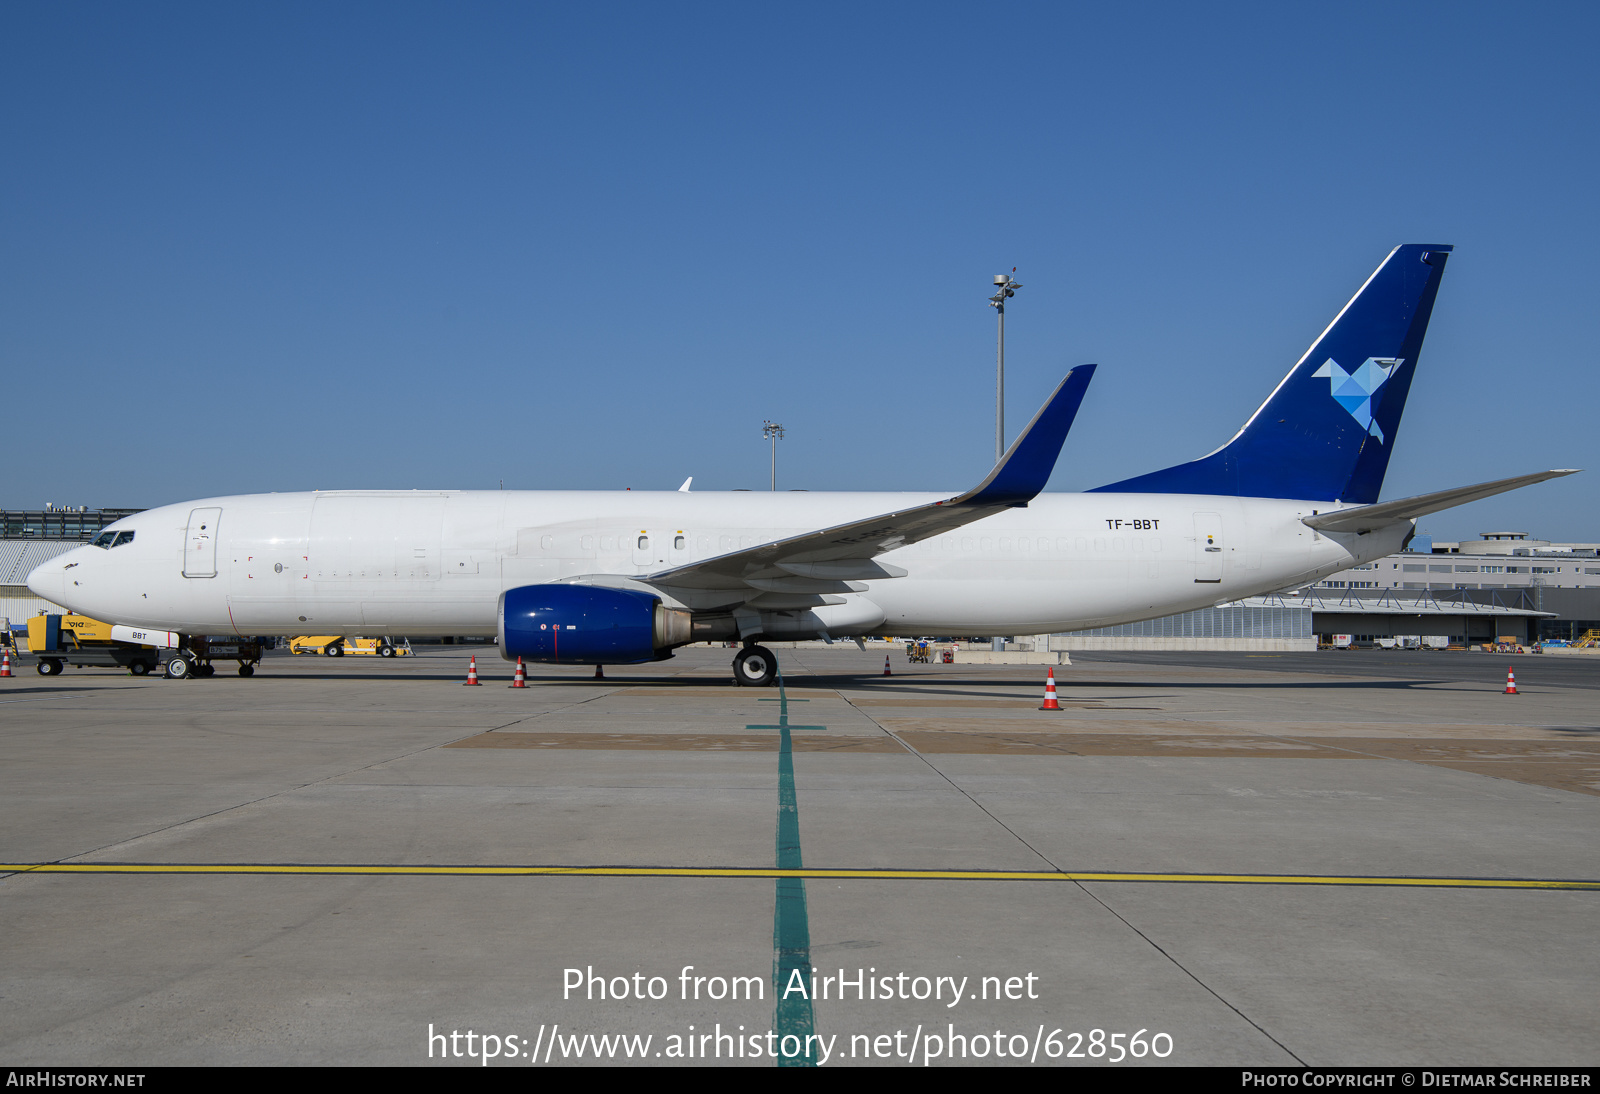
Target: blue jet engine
588,624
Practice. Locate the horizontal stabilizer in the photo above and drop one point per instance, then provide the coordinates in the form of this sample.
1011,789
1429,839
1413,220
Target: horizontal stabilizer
1367,517
841,552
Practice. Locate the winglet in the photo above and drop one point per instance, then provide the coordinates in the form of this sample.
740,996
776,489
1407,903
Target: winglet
1027,464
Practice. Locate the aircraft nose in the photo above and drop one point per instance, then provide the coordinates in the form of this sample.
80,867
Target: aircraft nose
48,581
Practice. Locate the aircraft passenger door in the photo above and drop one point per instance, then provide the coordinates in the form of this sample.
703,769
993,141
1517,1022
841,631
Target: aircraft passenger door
200,544
1208,548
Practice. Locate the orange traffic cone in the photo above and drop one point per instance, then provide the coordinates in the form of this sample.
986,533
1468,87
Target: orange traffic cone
520,680
1050,702
599,672
1511,681
472,673
5,661
886,671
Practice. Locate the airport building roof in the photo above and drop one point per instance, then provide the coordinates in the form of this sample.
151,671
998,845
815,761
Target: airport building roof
59,522
18,557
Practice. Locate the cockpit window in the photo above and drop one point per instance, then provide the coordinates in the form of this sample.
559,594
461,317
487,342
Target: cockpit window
123,537
103,539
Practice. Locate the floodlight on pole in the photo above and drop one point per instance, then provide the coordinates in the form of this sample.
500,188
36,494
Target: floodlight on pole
773,432
1004,287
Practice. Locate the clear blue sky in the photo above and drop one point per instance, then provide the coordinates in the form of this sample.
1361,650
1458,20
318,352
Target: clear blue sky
278,247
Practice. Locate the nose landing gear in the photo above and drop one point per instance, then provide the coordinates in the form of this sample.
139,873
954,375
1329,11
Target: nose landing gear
755,667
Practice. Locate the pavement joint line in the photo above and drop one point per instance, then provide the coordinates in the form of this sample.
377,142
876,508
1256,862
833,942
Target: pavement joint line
273,794
757,873
791,924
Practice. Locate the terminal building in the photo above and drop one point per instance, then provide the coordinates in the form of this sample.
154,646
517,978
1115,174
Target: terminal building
1501,585
29,537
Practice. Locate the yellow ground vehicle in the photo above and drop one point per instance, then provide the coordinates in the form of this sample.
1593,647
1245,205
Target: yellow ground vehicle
61,640
337,645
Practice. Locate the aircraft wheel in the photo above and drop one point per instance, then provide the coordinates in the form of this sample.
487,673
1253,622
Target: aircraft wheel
247,670
755,667
179,668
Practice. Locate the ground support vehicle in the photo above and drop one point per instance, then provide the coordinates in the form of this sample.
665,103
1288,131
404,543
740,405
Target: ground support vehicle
56,641
337,645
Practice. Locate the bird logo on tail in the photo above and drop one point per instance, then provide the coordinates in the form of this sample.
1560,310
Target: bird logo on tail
1357,391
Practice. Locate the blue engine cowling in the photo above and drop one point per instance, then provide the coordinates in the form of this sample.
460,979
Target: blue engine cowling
587,624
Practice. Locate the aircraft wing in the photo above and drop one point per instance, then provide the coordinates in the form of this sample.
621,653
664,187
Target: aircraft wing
1365,518
827,560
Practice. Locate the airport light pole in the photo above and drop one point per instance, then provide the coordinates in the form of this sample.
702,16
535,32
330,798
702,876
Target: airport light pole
1004,287
773,432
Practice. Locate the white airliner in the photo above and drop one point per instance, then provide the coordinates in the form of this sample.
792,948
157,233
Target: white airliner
624,577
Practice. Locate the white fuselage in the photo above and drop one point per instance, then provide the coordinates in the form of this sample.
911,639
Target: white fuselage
436,562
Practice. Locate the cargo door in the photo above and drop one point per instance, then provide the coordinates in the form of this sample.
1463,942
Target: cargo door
200,545
1208,548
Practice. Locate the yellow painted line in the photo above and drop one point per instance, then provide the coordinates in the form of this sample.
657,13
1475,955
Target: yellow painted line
769,873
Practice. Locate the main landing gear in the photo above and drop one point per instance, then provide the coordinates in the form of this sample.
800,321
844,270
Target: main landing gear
755,667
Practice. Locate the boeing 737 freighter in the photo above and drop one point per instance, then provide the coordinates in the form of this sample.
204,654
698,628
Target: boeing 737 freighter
586,577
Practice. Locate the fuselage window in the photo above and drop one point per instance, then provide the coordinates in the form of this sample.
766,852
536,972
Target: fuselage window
1005,543
547,542
678,543
588,543
968,543
608,543
644,543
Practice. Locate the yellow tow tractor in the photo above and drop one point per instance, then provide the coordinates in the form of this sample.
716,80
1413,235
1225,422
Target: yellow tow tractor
337,645
56,641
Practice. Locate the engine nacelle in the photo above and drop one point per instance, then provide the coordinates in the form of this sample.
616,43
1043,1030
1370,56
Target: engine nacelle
587,624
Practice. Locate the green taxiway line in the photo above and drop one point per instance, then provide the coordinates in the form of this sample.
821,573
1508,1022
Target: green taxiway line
760,873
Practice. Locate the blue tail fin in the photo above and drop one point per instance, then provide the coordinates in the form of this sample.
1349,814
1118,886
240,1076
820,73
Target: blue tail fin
1326,433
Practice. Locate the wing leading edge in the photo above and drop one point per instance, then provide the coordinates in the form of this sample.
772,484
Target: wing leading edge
845,552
